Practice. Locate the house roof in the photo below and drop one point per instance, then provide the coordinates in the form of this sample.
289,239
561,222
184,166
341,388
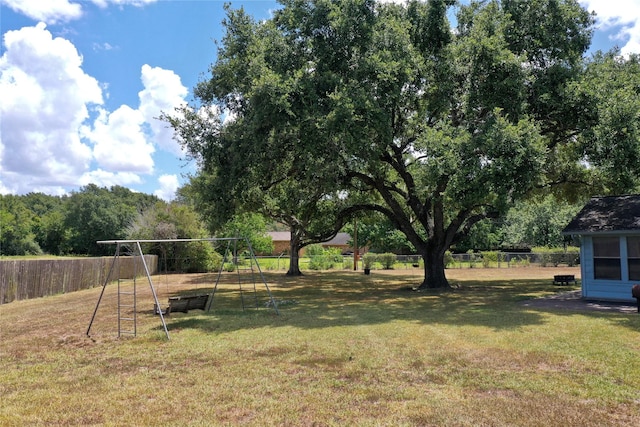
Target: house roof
606,215
340,239
279,236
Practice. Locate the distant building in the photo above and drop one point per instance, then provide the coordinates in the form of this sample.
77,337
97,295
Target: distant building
282,239
609,228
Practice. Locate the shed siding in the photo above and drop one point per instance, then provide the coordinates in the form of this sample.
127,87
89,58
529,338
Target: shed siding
586,266
615,290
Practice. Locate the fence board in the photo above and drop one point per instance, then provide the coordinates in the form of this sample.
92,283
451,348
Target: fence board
33,278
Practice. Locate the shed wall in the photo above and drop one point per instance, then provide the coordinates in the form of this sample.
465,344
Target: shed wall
600,289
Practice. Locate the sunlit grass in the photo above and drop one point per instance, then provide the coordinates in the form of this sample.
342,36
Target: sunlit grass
346,349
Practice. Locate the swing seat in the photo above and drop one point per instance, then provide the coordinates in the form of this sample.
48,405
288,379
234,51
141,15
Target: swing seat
184,303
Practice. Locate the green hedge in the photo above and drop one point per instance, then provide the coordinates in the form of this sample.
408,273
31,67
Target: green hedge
325,259
556,256
387,260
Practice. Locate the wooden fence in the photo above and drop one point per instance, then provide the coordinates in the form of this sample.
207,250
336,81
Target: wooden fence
24,279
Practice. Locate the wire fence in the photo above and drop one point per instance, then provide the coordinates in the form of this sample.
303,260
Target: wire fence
413,262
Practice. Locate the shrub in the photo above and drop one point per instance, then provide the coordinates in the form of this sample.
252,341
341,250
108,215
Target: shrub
347,263
556,256
572,256
387,260
489,258
316,262
198,257
325,260
313,250
368,259
448,259
473,258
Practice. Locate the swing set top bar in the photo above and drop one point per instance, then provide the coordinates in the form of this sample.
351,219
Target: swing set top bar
210,239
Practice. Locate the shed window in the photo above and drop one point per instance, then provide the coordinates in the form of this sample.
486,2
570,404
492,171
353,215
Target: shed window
606,258
633,257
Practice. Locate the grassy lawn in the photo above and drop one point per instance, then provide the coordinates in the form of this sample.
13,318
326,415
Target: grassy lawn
346,349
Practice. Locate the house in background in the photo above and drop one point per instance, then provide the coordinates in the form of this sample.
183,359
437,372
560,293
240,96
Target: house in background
609,228
281,241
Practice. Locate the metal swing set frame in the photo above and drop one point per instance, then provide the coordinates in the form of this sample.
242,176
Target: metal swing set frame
127,300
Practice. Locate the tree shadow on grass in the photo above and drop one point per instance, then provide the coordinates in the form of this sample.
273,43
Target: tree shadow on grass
570,304
323,300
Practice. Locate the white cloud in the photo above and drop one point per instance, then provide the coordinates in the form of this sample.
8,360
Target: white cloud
168,186
56,11
54,130
3,188
50,11
105,3
621,15
163,91
104,178
102,46
120,142
45,94
126,139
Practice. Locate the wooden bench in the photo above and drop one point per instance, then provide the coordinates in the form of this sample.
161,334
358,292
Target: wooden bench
184,303
564,279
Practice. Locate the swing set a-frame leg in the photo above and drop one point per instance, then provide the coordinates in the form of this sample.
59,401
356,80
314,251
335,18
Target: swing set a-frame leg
104,287
153,291
106,282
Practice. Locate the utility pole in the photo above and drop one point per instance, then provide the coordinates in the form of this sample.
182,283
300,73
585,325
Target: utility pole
355,244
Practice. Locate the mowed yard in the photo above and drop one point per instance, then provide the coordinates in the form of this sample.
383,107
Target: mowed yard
346,349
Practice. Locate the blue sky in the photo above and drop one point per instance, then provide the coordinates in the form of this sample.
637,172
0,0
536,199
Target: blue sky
81,83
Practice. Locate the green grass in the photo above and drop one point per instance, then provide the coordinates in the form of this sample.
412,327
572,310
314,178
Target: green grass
347,349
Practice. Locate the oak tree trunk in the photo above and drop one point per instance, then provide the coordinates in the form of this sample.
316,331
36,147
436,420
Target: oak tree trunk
434,275
294,258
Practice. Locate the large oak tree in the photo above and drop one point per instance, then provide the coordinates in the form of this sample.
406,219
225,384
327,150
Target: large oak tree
441,127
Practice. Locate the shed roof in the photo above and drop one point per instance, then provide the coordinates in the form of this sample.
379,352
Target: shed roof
607,214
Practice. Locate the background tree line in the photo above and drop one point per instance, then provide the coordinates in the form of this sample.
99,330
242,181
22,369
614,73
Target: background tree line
36,223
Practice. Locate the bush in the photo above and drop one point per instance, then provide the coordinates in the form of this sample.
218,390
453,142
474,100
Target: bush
573,256
473,258
347,263
325,260
489,258
197,257
369,259
556,256
387,260
448,259
313,250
